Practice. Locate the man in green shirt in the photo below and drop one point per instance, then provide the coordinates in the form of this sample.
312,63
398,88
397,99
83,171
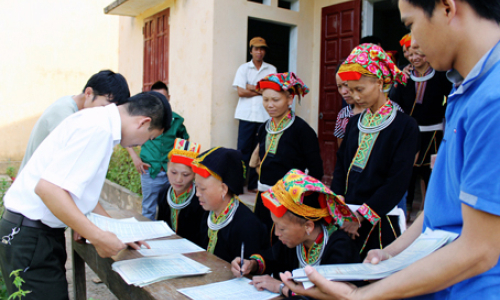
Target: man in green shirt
152,163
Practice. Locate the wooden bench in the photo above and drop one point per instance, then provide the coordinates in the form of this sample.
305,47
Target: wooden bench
166,289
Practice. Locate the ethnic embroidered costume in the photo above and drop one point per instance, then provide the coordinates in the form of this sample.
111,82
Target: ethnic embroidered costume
222,235
183,212
375,160
307,197
289,144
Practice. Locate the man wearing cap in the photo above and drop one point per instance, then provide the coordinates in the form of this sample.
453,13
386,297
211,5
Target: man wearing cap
250,110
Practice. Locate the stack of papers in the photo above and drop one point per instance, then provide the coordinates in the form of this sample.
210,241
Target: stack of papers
232,289
425,244
129,230
167,247
143,271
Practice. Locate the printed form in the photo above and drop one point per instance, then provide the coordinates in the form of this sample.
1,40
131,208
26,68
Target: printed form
144,271
131,231
424,245
167,247
238,288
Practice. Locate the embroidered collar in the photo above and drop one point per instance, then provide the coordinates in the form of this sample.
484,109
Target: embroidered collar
283,125
181,201
221,221
177,203
316,251
423,78
215,223
367,118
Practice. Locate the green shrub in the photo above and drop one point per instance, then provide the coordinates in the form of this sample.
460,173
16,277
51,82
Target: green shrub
11,172
4,186
122,170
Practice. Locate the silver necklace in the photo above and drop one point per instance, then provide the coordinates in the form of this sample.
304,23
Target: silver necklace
423,78
270,131
377,128
299,249
180,205
228,220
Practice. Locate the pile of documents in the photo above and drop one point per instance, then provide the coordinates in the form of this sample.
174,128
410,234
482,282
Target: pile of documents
146,270
425,244
232,289
130,230
167,247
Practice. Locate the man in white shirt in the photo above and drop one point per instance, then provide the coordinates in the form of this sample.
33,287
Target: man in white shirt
250,110
62,182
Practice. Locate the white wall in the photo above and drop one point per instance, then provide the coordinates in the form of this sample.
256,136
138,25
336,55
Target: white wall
49,49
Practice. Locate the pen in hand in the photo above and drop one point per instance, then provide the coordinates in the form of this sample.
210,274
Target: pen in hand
241,258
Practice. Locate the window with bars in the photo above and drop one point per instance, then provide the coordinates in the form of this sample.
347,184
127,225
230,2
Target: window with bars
156,36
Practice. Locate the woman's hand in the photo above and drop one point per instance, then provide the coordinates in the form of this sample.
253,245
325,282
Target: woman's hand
377,255
248,267
266,282
352,227
323,289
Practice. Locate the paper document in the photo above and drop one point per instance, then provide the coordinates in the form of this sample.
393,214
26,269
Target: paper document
425,244
131,231
143,271
166,247
238,288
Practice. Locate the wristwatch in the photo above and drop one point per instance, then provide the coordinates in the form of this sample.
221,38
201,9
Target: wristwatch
282,285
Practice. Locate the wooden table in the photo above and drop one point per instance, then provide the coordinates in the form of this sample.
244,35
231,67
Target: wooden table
166,289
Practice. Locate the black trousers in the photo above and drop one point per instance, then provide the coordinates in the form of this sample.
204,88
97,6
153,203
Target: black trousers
247,141
41,255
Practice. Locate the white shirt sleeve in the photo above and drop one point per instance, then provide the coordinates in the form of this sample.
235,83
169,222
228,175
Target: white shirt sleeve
240,80
75,165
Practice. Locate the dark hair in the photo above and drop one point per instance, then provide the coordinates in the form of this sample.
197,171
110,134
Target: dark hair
338,66
487,9
110,84
371,39
309,200
153,105
159,85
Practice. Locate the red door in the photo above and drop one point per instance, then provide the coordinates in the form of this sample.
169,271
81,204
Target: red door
340,33
156,35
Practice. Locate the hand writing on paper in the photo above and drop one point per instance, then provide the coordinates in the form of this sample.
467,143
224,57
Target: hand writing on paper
249,266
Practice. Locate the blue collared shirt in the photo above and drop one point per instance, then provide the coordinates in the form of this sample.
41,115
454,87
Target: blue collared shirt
467,169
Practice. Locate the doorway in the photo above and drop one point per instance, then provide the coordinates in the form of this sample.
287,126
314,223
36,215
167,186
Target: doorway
382,19
277,37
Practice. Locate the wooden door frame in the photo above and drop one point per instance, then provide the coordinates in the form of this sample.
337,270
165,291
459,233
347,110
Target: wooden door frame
322,94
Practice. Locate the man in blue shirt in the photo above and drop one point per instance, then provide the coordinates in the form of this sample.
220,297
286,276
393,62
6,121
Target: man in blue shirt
464,189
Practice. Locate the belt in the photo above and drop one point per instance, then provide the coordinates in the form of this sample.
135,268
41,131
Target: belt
19,218
263,187
428,128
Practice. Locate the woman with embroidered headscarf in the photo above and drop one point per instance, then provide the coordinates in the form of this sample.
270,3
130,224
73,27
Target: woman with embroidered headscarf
375,160
286,141
178,204
306,214
226,223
